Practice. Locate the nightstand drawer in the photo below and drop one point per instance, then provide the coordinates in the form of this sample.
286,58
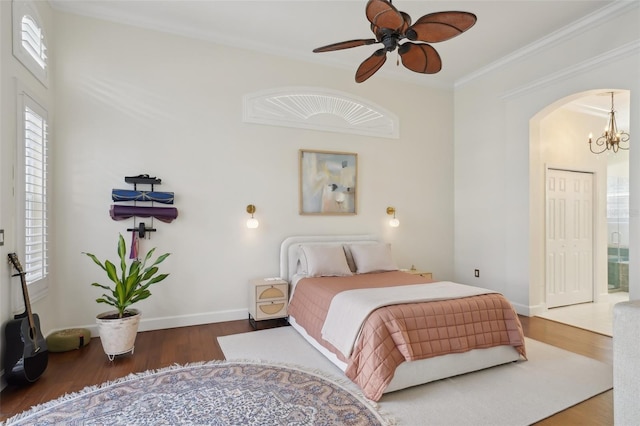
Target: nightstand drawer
273,291
273,309
268,299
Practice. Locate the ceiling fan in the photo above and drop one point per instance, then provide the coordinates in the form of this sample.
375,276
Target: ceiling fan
392,26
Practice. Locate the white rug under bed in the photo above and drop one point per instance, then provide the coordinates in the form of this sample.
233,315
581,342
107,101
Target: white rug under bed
514,394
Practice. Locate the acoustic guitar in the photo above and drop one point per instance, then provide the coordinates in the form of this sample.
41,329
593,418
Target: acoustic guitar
26,354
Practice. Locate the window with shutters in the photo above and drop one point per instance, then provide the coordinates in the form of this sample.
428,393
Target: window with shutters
31,193
29,40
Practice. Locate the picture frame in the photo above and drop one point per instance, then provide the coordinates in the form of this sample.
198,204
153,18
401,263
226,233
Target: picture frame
328,182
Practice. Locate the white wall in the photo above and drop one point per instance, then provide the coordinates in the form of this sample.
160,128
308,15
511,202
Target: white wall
494,160
12,74
4,276
132,101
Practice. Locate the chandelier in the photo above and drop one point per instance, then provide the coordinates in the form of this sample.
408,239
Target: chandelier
611,139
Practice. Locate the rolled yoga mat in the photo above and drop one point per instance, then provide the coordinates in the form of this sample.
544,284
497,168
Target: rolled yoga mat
165,214
131,195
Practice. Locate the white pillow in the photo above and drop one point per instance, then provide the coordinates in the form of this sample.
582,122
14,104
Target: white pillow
372,257
324,261
347,252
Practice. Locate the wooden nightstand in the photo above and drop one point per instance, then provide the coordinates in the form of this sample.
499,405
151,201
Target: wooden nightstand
424,274
268,299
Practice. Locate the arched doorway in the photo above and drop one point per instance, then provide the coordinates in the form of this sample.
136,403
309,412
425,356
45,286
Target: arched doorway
559,141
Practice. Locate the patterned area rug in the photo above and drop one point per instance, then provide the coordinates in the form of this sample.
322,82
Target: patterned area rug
212,393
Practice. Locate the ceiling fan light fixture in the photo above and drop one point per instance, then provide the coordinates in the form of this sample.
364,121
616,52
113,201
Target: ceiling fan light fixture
391,27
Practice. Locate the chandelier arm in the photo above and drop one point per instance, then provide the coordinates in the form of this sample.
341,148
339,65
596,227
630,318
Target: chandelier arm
600,142
623,138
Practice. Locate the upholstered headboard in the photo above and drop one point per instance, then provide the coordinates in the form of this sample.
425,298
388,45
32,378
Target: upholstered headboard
290,247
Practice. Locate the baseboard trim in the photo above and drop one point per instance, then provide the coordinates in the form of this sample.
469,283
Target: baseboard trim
150,324
528,310
189,320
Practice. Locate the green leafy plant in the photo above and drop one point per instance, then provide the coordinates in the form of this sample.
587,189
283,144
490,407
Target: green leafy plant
131,284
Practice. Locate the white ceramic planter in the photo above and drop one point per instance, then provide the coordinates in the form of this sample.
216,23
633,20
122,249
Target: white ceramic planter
118,336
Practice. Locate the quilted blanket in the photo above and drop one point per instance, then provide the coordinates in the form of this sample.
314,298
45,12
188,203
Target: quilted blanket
349,309
406,332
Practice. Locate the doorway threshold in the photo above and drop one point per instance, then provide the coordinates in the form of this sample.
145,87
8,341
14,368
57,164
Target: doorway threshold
596,317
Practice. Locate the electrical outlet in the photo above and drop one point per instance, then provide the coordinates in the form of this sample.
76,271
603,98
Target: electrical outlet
476,273
1,237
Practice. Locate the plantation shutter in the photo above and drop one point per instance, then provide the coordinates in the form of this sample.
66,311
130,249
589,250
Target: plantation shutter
35,195
33,41
29,38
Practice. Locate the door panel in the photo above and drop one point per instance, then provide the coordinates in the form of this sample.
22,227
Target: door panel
569,237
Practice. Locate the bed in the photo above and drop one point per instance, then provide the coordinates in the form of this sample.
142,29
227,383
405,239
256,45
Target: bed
388,329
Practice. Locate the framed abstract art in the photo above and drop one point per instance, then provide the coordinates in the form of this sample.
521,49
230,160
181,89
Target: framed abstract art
328,182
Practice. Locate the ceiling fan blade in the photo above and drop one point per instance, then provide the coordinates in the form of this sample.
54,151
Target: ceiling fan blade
376,30
420,58
383,14
440,26
345,45
371,65
406,24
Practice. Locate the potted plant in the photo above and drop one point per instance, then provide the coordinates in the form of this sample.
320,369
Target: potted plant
118,328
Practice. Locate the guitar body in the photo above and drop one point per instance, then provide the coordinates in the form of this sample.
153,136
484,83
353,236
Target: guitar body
26,356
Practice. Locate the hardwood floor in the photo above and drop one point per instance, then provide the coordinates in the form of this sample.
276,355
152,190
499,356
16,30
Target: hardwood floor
71,371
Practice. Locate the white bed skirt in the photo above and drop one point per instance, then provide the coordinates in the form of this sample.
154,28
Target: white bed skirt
414,373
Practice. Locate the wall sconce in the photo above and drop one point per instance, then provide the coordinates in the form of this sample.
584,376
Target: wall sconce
252,222
394,223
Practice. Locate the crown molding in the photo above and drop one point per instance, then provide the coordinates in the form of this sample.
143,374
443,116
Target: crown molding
608,12
607,57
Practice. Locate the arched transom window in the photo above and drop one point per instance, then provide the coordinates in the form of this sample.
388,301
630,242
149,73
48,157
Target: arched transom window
29,41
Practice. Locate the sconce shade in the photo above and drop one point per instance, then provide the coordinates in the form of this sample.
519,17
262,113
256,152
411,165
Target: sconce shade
252,222
394,223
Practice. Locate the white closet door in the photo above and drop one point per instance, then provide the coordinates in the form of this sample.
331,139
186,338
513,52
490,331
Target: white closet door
569,237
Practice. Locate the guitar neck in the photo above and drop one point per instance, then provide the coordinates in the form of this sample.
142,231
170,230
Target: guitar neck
27,302
25,293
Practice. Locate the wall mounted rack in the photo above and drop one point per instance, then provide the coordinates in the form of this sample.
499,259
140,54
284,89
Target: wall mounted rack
131,209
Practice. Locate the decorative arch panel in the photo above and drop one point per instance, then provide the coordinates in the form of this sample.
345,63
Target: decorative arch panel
320,109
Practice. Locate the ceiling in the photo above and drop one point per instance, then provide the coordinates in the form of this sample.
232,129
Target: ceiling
293,28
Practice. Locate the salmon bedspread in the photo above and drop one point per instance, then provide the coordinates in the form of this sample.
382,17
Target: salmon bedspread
394,334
